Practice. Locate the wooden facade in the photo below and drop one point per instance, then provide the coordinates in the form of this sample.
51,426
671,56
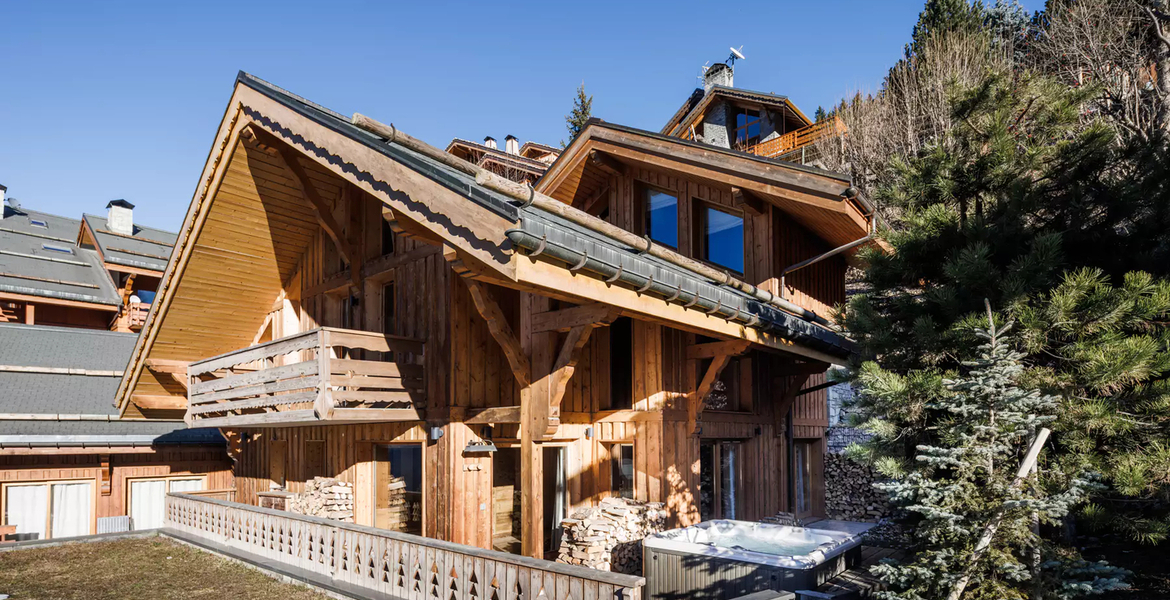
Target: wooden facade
583,388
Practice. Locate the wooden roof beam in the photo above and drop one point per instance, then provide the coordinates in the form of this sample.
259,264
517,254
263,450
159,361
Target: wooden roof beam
606,163
498,325
159,402
748,201
720,354
324,212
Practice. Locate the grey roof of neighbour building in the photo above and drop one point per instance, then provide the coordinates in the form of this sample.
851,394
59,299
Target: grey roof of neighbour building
44,260
148,248
60,401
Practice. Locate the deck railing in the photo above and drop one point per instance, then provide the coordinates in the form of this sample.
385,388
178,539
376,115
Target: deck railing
388,562
136,313
318,375
795,140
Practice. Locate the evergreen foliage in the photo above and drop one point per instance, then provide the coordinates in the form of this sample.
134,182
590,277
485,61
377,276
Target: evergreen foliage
963,482
582,111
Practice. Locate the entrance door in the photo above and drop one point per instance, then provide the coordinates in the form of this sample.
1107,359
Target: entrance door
805,478
399,506
720,485
49,510
148,499
506,500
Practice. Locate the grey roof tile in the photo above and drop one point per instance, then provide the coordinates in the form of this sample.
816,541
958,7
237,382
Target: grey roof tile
29,265
148,248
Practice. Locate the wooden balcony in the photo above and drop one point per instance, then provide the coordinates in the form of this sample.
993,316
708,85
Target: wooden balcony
321,376
795,140
136,313
380,563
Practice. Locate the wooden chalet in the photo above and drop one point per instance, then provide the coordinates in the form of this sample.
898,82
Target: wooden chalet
759,123
478,357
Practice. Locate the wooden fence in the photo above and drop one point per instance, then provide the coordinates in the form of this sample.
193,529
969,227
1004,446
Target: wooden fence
402,565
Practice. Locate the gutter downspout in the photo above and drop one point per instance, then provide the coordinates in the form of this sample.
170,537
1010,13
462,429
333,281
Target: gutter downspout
530,197
835,251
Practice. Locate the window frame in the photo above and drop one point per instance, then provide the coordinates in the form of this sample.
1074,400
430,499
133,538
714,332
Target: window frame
423,474
747,123
93,488
614,451
700,242
644,190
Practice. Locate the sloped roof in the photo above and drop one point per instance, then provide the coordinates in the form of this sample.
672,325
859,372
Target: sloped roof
97,359
521,162
699,100
30,266
148,248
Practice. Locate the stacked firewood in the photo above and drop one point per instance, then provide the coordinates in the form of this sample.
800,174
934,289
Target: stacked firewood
849,491
609,536
324,497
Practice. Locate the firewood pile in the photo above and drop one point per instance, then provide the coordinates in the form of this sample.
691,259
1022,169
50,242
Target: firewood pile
782,518
324,497
849,491
609,537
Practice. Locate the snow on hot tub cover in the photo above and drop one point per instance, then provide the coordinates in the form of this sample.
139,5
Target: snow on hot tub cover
761,543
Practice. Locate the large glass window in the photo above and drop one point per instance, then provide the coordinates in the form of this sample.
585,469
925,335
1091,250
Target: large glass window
622,470
399,494
802,476
49,510
720,485
720,237
747,127
661,217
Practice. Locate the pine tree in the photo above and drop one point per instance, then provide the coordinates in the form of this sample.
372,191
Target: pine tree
963,486
582,111
1028,203
820,115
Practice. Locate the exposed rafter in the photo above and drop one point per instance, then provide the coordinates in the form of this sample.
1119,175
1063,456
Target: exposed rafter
498,325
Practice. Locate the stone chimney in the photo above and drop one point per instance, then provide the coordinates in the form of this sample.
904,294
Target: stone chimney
490,142
719,74
121,217
512,145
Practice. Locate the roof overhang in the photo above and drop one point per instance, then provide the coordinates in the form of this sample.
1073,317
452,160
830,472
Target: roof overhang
814,198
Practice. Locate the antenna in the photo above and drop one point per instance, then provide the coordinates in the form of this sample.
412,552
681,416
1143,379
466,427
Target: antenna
736,53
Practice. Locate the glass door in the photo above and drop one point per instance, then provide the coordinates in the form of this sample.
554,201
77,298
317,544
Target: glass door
398,505
720,485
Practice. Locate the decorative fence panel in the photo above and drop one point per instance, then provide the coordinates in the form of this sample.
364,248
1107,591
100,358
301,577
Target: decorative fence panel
389,562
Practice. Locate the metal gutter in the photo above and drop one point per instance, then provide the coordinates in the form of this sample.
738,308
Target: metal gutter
650,276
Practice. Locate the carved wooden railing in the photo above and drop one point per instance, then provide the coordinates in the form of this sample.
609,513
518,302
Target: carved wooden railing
388,562
795,140
313,376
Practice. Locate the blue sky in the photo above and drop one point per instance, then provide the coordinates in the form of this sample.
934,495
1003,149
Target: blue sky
104,100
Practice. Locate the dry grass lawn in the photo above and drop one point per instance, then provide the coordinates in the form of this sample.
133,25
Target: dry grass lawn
153,568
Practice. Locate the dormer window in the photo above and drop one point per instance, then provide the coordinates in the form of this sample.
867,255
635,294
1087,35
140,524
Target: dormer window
747,127
661,217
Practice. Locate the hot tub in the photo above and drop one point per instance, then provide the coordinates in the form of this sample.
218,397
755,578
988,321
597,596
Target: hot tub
725,559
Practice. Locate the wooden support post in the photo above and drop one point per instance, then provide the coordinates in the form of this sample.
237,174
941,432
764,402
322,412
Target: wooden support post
748,201
789,388
533,418
720,354
30,311
107,474
498,325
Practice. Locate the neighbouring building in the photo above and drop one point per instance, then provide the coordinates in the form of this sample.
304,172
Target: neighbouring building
68,464
478,359
770,125
522,164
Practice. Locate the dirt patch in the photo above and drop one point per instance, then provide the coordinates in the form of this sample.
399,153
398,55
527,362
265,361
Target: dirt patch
135,569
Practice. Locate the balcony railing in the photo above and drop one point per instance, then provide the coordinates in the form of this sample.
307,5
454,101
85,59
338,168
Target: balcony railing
395,564
322,375
136,315
795,140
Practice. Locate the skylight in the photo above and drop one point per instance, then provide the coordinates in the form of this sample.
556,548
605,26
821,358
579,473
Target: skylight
56,248
39,223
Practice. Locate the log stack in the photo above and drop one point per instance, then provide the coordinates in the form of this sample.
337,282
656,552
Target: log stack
609,536
324,497
849,491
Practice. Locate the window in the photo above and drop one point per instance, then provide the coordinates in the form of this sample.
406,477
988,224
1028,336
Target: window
621,459
720,485
747,127
38,223
49,510
802,474
398,504
387,238
388,308
661,217
148,499
720,237
621,364
56,248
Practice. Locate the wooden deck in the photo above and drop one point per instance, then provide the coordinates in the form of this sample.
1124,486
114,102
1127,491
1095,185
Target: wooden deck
309,378
857,583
